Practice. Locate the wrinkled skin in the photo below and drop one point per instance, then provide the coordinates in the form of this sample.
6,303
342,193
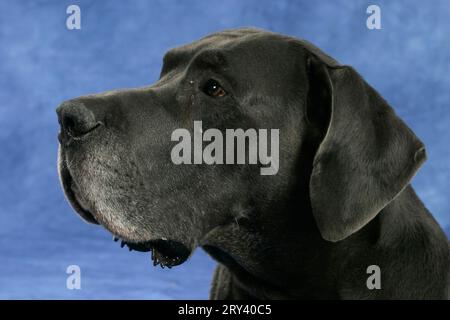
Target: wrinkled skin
272,235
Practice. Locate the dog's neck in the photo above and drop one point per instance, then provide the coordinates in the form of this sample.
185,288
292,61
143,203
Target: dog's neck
285,260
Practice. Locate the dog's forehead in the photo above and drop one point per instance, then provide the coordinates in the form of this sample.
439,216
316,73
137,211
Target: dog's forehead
225,41
248,39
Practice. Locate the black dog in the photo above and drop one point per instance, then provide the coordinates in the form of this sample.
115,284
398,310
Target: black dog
340,202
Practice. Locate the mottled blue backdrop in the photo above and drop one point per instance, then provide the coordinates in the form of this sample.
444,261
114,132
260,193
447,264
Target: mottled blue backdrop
120,45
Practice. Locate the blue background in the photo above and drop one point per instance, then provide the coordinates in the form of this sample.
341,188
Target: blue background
121,44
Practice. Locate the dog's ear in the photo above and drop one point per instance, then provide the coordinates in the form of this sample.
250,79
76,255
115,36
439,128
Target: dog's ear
367,155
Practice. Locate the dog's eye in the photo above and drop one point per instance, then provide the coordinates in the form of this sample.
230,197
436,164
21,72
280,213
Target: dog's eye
214,89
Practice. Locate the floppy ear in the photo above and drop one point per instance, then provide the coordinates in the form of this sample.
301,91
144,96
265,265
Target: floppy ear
367,156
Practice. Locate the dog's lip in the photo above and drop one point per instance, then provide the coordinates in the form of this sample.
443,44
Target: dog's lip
66,182
164,252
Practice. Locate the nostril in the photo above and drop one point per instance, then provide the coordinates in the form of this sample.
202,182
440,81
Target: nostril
76,119
69,125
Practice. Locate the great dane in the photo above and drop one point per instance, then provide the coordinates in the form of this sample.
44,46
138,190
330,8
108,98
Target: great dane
339,205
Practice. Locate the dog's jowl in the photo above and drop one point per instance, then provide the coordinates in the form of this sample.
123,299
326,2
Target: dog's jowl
299,181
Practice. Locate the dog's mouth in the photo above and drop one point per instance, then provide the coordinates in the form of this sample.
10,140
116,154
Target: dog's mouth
164,252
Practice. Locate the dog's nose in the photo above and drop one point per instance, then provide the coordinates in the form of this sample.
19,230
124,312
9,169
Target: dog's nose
75,119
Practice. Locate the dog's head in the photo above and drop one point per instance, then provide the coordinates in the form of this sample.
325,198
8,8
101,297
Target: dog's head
338,141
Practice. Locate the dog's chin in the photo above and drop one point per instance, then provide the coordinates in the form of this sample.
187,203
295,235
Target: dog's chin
164,252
